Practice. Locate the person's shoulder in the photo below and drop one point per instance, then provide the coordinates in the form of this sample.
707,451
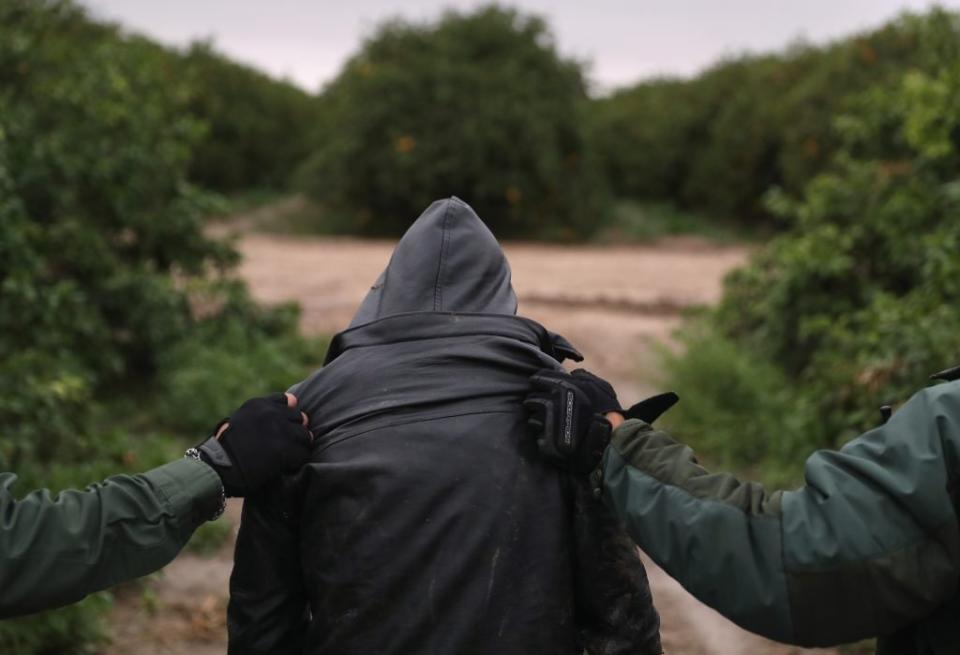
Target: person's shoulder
943,399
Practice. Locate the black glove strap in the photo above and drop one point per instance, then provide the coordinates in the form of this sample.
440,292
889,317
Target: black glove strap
652,408
213,453
948,375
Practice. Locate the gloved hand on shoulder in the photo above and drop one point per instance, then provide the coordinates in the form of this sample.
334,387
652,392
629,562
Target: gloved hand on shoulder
263,439
568,416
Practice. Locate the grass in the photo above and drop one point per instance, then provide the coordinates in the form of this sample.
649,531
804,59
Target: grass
637,222
251,199
300,216
736,410
630,222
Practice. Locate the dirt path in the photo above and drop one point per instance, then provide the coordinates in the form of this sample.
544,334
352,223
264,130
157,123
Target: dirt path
613,303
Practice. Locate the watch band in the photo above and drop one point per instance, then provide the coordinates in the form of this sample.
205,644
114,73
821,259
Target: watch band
194,453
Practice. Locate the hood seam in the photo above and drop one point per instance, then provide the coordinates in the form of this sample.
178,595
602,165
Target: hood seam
437,292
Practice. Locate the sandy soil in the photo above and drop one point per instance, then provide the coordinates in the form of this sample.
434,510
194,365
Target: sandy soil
613,303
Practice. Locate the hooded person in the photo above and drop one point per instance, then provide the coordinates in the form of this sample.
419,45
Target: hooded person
425,521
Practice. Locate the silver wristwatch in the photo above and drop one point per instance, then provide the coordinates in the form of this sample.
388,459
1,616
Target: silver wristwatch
194,453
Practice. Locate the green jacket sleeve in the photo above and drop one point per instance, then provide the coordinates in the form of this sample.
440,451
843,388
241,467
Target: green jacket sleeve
56,550
870,543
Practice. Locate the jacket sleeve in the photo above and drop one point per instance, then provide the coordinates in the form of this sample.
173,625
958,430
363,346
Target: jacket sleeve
56,550
870,543
268,610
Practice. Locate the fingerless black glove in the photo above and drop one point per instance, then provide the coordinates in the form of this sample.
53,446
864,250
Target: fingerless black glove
264,439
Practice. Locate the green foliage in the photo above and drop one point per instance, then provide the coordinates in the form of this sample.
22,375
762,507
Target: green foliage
479,105
255,125
74,631
96,217
860,301
645,135
105,273
246,352
632,222
720,141
735,407
211,537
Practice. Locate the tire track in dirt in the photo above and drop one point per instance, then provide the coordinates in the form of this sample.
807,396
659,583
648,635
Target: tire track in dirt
614,303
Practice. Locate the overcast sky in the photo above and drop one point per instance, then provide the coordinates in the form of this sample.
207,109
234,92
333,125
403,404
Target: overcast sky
623,40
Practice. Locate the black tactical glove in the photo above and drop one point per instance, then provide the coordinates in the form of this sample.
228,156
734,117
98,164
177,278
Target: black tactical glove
569,432
566,416
650,409
600,392
605,400
265,438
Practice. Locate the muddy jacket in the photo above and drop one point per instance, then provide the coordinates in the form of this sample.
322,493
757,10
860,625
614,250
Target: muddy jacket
55,551
870,546
426,521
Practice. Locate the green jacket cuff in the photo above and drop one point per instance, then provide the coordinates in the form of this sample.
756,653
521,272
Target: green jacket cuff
191,488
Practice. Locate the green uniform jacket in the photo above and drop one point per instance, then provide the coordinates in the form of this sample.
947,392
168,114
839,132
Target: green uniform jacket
870,546
55,551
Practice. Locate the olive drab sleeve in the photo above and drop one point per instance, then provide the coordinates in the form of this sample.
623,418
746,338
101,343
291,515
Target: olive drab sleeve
54,550
868,546
718,537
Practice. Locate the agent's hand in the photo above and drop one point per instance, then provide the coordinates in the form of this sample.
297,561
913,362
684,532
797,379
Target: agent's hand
263,439
605,400
569,431
572,415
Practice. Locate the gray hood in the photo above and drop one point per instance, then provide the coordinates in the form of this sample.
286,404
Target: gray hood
448,261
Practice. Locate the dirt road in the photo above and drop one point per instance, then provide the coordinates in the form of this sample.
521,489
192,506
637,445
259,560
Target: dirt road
613,303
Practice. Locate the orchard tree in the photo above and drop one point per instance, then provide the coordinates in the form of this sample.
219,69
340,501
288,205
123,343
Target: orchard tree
476,105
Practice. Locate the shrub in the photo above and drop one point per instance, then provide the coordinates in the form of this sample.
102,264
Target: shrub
101,249
721,384
254,124
245,352
76,631
860,301
720,141
478,105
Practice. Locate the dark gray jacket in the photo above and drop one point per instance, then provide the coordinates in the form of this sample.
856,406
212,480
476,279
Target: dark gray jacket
427,522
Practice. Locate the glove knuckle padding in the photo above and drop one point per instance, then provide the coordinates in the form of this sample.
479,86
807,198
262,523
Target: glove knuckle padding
601,394
545,380
570,433
566,416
